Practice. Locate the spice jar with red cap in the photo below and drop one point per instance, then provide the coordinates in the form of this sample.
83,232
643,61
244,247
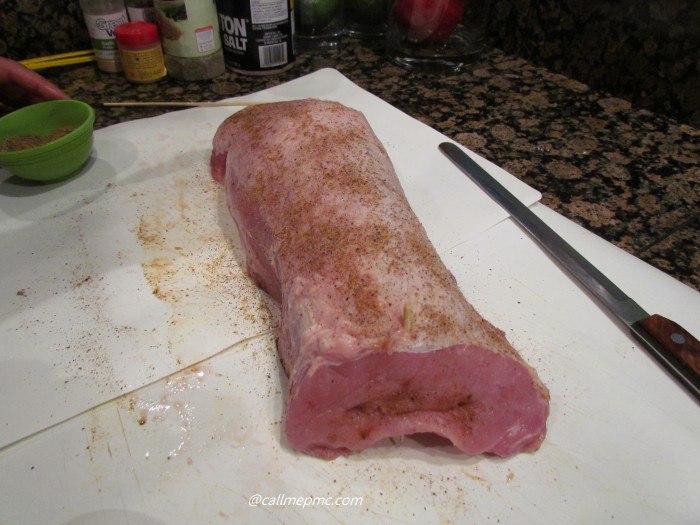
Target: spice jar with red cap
140,52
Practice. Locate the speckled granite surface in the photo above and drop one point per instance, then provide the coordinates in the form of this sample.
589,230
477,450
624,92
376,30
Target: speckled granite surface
645,52
629,175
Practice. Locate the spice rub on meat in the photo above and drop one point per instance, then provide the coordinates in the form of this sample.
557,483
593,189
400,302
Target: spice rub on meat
376,338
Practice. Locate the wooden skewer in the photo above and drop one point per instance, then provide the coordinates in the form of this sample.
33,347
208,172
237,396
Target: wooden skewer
57,63
182,104
70,54
63,59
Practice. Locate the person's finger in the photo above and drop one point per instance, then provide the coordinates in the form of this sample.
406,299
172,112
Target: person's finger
20,85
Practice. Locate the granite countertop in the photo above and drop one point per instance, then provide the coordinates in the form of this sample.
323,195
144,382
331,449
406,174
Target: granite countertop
628,175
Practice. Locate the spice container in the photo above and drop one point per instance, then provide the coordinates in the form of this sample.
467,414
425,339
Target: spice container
101,17
189,32
140,51
257,37
141,10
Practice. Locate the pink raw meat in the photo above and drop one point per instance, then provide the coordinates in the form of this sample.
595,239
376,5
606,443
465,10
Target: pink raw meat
375,336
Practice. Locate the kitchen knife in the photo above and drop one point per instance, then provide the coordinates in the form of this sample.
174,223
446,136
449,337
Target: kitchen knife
666,341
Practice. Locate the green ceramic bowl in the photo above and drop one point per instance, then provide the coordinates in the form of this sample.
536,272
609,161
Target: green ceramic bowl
56,138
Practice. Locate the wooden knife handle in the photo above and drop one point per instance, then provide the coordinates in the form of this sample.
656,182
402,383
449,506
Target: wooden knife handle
675,339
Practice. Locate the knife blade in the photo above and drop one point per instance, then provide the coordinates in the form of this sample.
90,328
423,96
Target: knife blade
672,346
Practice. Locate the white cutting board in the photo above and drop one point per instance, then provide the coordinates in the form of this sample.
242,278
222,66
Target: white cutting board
132,271
196,446
201,446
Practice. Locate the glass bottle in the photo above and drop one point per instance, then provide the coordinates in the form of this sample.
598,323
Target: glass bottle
318,23
365,18
141,10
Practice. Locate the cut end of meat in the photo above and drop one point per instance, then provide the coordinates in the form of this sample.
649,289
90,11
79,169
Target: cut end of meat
483,403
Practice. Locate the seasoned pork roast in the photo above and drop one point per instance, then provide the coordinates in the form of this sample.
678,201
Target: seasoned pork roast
376,338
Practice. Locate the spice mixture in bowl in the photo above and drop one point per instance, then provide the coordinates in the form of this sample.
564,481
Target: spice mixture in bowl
48,141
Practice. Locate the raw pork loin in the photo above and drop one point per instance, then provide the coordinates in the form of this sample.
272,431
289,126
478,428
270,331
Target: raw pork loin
375,336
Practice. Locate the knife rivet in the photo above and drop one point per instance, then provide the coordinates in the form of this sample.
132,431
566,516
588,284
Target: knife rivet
677,338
